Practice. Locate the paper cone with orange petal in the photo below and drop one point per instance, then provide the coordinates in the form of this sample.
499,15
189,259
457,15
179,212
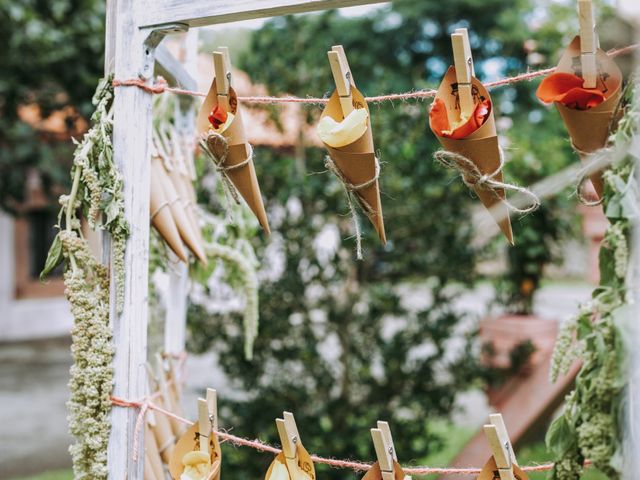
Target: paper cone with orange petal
243,178
357,160
189,443
374,473
162,220
490,471
480,145
588,128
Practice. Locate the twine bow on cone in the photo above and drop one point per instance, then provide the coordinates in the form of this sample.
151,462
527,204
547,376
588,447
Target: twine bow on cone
352,191
216,147
474,178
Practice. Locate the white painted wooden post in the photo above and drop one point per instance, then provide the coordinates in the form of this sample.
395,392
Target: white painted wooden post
131,134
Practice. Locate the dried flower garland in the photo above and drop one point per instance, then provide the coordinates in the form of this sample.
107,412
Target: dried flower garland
590,425
97,192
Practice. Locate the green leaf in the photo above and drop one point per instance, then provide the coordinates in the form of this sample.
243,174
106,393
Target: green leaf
54,258
561,437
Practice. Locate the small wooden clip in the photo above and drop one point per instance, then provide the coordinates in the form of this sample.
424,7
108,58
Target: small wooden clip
588,43
463,62
222,69
342,77
501,447
385,450
289,436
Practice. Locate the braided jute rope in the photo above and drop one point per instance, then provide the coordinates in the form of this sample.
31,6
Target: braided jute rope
352,192
230,190
147,404
474,178
584,174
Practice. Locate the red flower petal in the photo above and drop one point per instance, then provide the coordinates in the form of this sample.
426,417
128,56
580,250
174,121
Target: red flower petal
566,88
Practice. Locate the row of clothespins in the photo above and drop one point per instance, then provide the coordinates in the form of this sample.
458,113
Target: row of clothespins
461,117
196,455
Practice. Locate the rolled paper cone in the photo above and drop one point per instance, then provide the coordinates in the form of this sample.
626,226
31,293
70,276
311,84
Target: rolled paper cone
489,469
191,209
164,434
278,469
162,220
589,129
179,213
357,161
481,147
243,178
374,473
189,442
152,455
149,474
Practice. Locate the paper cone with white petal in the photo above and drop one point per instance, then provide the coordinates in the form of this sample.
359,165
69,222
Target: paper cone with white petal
357,160
188,443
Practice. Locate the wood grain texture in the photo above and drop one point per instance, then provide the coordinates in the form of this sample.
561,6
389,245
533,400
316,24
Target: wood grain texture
131,138
172,70
198,13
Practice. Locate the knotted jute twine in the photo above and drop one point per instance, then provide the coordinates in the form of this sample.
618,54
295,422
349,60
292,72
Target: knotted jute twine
585,174
216,147
352,194
474,178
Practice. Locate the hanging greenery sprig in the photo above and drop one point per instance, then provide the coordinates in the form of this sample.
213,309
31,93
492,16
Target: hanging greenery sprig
96,193
590,425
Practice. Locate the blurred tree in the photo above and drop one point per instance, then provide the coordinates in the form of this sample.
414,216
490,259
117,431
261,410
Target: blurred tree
51,59
338,344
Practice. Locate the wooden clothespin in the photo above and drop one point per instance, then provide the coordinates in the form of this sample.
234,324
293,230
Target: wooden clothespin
222,69
588,44
385,450
501,447
342,77
289,436
463,62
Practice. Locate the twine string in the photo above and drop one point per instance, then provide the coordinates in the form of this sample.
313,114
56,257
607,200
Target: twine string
354,198
585,173
260,446
216,146
474,178
161,87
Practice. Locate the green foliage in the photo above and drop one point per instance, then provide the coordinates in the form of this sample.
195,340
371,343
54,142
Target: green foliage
52,56
590,425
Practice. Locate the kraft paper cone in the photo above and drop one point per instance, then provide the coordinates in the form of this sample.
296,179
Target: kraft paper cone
374,473
178,212
300,469
183,186
481,147
244,178
162,221
357,161
152,455
190,442
165,439
589,129
149,474
490,472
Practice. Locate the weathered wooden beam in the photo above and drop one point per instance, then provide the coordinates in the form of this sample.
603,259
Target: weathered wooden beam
199,13
172,70
131,138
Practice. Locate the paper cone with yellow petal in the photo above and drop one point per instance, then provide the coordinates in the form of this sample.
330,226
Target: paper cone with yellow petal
187,460
180,216
357,160
481,147
374,473
162,220
589,129
283,468
243,178
490,472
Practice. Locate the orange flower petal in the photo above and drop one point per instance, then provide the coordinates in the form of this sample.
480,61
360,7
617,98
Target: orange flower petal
439,121
566,88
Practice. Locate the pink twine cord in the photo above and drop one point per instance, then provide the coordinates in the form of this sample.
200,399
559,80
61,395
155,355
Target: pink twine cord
147,404
161,86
